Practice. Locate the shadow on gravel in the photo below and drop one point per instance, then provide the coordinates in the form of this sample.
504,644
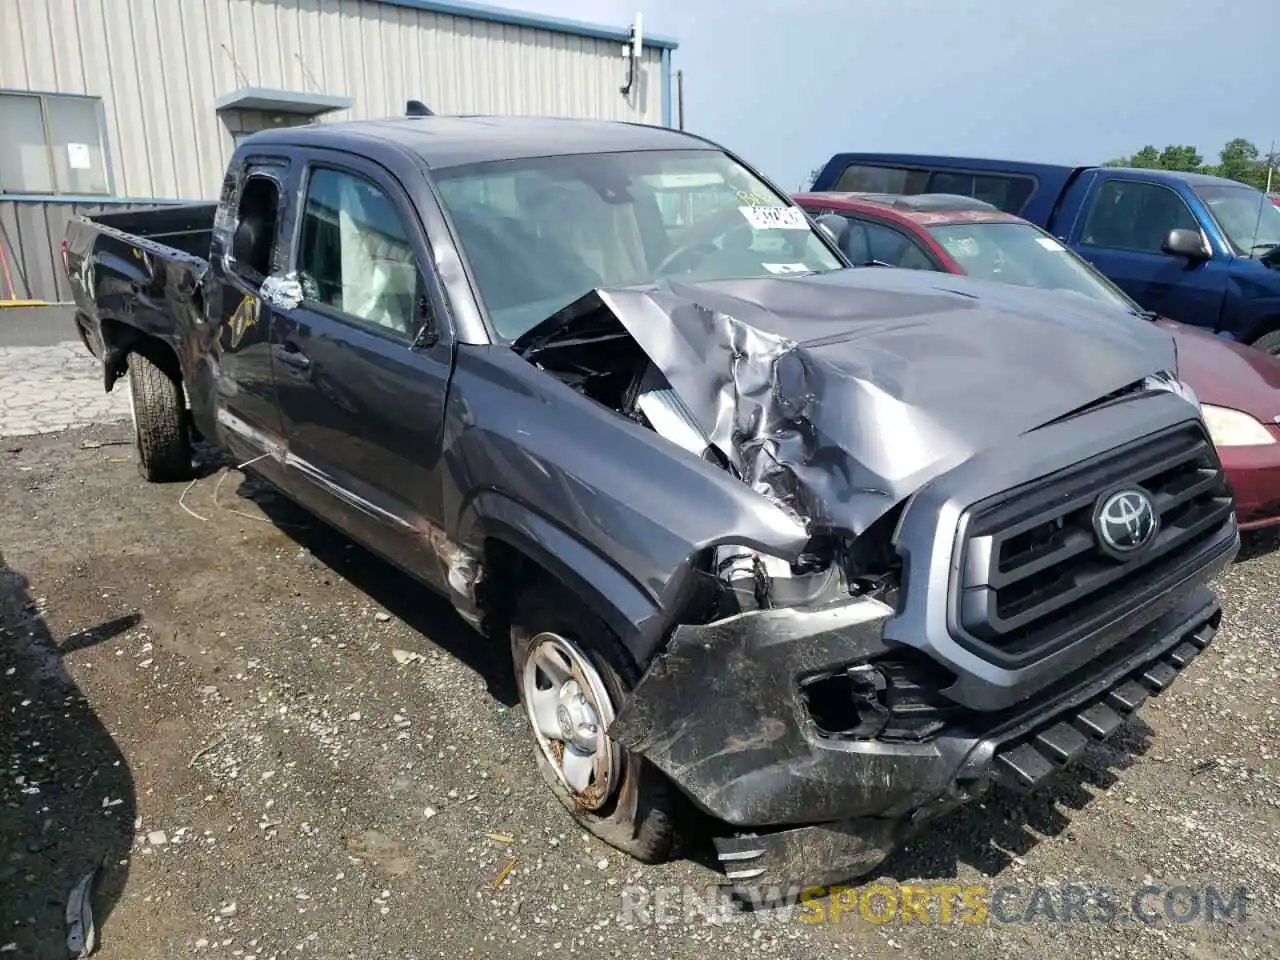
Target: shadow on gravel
386,585
67,802
987,835
1258,543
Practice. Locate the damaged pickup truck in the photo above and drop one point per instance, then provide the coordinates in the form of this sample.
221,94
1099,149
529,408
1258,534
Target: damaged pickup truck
822,551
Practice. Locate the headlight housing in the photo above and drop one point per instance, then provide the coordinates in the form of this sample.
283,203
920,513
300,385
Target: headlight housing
1169,382
1234,428
759,580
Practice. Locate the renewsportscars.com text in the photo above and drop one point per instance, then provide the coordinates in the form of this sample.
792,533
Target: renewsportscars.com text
937,903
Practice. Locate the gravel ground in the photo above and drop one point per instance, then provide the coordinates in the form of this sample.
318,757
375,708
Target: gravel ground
277,747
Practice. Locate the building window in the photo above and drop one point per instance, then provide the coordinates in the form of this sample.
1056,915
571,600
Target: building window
52,143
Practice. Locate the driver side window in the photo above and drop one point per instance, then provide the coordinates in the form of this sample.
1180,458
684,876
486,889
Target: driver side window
1132,215
355,256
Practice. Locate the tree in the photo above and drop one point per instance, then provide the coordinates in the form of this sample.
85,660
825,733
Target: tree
1181,158
1172,157
813,175
1148,158
1240,162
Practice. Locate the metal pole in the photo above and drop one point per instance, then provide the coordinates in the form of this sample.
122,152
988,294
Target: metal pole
1263,200
679,99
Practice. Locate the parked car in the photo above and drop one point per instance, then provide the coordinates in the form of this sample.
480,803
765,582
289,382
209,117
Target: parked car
1200,250
1238,387
707,483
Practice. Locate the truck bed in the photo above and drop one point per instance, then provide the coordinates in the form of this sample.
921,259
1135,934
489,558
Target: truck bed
139,271
187,227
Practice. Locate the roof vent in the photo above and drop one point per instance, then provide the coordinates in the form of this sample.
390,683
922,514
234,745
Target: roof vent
416,108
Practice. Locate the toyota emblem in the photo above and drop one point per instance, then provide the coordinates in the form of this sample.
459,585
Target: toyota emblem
1125,522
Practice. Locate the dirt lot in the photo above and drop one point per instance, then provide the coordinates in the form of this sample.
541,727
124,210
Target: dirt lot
214,708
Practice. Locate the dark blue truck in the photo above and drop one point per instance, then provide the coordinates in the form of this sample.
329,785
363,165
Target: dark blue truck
1201,250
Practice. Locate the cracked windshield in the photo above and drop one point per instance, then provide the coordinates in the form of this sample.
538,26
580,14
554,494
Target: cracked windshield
541,233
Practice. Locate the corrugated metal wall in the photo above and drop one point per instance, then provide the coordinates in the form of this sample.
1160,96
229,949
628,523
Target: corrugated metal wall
29,236
159,65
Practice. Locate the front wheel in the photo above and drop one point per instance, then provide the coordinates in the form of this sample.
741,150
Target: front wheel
573,676
1269,343
159,422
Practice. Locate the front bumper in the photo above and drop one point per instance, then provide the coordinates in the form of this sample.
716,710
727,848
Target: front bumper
1253,473
722,715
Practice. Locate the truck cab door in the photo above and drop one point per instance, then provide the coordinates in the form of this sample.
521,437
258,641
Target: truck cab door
1122,232
247,248
362,362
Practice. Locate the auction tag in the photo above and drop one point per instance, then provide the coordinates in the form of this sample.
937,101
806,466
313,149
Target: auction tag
1050,244
775,218
783,268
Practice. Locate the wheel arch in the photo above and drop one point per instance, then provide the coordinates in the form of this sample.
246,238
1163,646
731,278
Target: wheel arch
119,339
520,547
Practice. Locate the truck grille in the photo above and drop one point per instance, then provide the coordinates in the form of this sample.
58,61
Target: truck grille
1034,575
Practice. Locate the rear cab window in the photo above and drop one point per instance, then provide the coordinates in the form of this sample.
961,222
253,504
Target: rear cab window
251,212
1007,192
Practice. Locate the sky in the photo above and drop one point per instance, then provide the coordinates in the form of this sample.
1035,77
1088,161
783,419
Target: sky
789,83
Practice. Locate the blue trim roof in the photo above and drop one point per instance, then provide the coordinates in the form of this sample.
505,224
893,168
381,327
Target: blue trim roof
518,18
281,101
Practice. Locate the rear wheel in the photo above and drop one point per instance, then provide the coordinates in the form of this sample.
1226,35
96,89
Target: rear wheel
159,422
573,676
1269,343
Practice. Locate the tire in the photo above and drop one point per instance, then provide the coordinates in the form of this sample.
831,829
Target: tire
1268,343
642,812
159,422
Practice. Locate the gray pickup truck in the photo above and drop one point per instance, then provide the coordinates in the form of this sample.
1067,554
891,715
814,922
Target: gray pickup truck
821,551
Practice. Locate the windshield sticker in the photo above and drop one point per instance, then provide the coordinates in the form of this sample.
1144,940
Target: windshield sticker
1049,243
775,218
784,268
755,199
683,181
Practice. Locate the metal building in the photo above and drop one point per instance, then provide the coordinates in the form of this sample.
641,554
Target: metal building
106,103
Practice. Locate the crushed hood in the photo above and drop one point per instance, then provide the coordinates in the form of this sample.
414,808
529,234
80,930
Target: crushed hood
838,395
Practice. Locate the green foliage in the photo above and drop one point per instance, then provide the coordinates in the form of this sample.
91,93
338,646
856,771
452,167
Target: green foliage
1239,160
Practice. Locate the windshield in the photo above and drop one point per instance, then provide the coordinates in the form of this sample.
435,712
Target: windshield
540,233
1250,221
1018,253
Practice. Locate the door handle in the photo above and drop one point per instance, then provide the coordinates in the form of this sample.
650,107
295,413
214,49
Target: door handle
291,355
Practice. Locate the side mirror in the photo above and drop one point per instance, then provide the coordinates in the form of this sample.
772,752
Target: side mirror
1186,243
833,225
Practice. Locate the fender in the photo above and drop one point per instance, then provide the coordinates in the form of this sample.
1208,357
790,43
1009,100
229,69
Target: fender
613,596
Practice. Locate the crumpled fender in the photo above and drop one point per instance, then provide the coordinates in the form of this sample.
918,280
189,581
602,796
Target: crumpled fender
719,712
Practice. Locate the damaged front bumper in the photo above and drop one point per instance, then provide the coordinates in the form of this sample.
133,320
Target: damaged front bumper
727,713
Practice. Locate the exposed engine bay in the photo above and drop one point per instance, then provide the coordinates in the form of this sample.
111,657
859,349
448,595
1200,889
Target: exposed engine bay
836,402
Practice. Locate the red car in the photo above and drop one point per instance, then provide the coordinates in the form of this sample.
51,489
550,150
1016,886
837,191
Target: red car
1238,387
